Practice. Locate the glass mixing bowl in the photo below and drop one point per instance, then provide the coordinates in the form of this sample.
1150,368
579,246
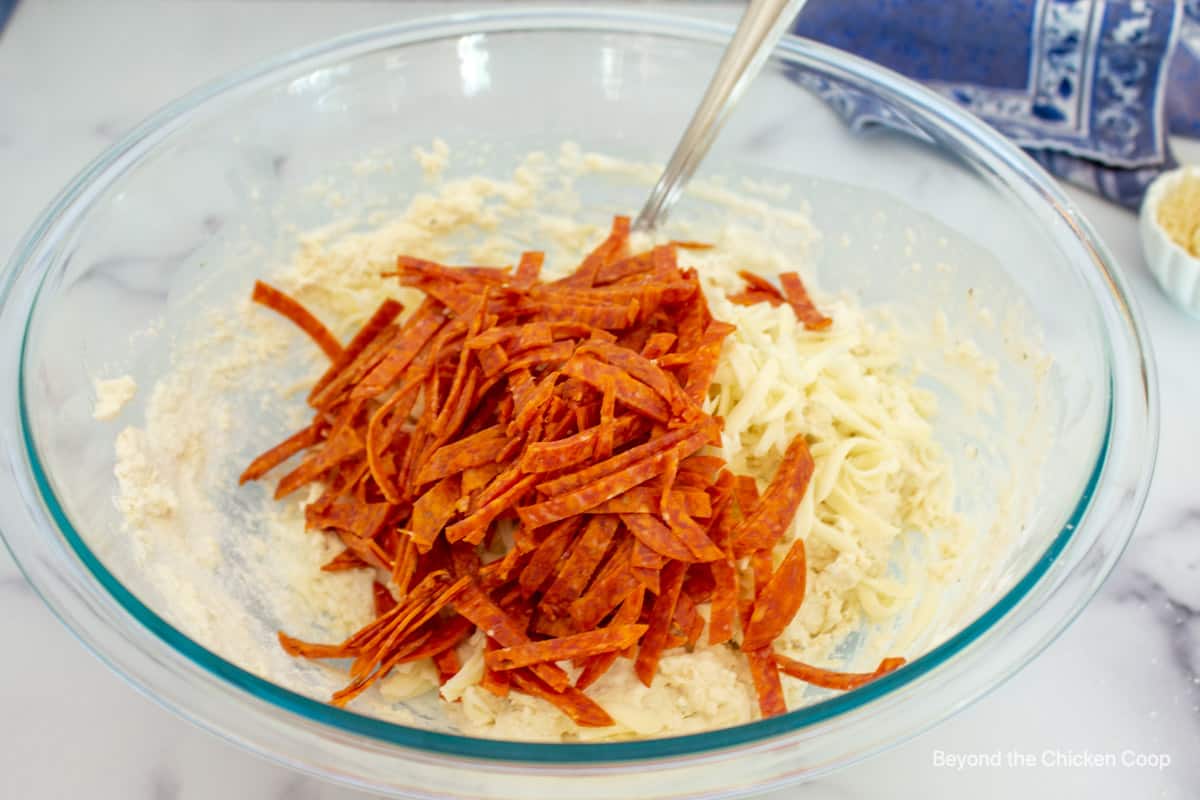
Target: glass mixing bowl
172,198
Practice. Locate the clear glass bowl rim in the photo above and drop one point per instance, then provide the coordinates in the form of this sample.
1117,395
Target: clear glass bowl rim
74,199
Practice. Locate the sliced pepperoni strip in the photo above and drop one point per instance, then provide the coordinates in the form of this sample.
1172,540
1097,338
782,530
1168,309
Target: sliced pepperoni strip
546,556
447,665
767,685
395,637
448,633
328,396
492,359
582,710
405,567
410,461
343,443
649,296
658,345
578,330
498,683
607,316
364,681
298,649
757,283
829,679
476,606
649,578
520,386
645,557
607,251
282,303
384,602
752,297
577,570
343,561
723,520
723,610
433,510
745,489
360,518
461,386
705,468
464,405
624,268
779,600
500,484
525,413
552,456
553,354
776,508
656,536
688,531
703,366
661,615
301,440
643,370
629,613
424,269
471,451
608,413
416,333
604,640
761,566
528,269
690,323
408,615
646,500
375,328
621,461
612,585
687,620
801,303
381,435
473,528
595,493
631,392
493,337
530,336
440,602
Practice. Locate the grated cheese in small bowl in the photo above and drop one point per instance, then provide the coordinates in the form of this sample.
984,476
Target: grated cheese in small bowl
1170,233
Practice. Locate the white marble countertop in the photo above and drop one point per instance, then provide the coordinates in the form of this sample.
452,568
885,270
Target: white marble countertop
1125,676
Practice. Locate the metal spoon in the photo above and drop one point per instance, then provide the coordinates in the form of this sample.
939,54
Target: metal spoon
761,27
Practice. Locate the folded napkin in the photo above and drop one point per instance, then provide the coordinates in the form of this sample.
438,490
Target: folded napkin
1089,88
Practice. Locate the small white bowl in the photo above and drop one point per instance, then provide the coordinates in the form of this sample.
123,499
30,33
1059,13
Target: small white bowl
1177,271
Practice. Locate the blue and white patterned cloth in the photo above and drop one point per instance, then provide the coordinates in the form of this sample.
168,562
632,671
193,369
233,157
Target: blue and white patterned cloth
1090,88
6,9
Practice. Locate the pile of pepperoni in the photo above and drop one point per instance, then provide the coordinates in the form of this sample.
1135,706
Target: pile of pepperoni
562,424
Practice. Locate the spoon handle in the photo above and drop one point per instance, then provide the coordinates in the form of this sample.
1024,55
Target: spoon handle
761,27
